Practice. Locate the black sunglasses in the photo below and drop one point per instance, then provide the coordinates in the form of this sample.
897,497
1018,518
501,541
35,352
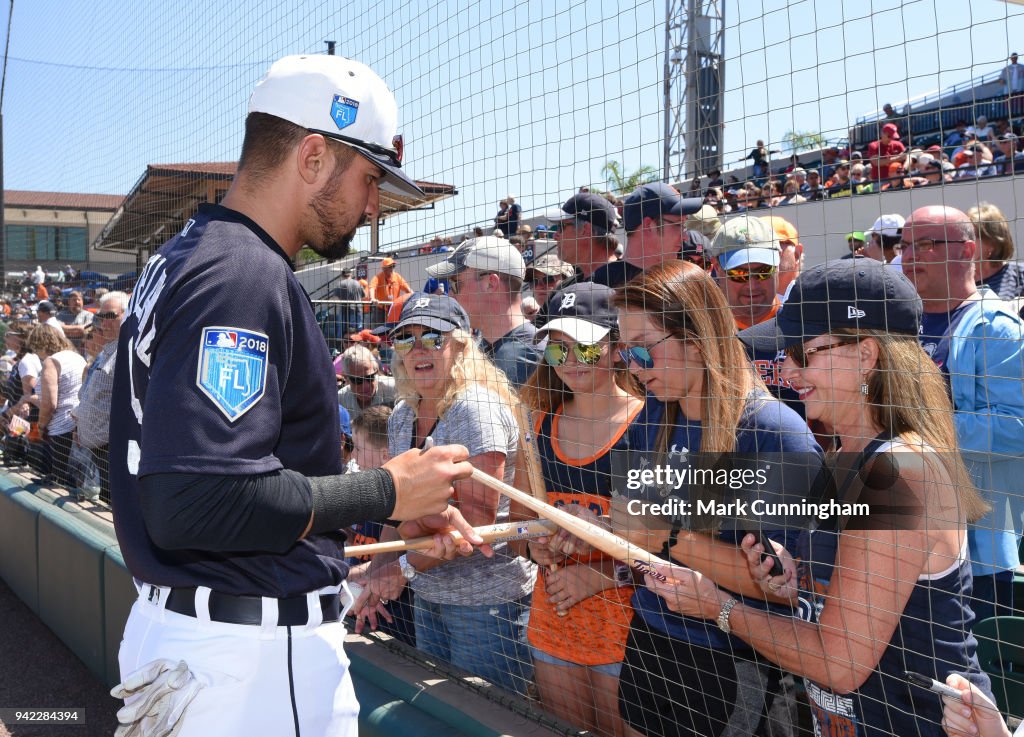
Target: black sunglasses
359,380
394,154
106,316
799,356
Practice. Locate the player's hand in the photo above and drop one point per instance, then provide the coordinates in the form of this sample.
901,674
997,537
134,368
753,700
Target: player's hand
568,544
542,554
424,478
453,535
783,585
973,715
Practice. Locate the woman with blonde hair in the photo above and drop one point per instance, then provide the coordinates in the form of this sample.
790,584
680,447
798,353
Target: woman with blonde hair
997,269
471,611
584,400
59,382
681,676
886,593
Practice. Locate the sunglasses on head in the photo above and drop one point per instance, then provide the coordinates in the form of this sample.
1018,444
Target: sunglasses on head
742,276
359,380
799,355
556,354
641,354
429,341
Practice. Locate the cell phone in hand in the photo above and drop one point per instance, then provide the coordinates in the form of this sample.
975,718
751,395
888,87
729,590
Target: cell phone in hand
769,552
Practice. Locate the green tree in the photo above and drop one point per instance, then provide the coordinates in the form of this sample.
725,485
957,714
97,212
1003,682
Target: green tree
306,256
619,182
797,141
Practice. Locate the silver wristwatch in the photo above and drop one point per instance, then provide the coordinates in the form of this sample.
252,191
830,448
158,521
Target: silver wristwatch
723,615
407,569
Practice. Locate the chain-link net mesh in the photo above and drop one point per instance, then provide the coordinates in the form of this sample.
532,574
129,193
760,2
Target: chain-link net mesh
708,275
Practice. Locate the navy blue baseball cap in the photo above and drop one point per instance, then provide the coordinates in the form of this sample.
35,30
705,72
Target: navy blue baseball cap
855,292
587,207
655,200
582,311
434,311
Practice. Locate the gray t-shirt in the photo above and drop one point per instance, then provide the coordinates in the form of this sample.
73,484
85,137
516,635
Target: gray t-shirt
478,420
385,395
347,289
515,353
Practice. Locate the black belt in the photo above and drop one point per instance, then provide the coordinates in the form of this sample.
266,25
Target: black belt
291,612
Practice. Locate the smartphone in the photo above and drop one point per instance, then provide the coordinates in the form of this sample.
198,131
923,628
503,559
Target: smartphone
769,552
932,685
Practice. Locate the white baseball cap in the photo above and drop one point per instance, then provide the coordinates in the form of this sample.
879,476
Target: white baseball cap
486,253
341,99
888,225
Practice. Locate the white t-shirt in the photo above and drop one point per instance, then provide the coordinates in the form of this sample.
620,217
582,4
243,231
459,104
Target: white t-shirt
30,365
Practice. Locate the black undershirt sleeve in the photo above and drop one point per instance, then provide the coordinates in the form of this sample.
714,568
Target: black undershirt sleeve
265,513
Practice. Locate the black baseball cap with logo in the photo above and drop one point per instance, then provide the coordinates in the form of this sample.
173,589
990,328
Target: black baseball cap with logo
590,208
858,293
434,311
655,200
582,311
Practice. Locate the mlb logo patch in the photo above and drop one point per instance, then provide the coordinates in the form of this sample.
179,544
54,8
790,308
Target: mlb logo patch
232,369
344,111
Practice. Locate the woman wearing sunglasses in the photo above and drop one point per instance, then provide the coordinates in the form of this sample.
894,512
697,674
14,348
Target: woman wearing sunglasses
470,612
879,599
683,675
584,400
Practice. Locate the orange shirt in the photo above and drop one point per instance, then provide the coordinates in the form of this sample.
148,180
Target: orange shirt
594,631
387,290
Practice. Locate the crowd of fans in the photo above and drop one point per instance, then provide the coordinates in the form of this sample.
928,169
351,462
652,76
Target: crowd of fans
57,377
703,333
969,152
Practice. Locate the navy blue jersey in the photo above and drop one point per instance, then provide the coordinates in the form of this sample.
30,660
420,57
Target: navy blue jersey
768,365
933,637
222,370
768,430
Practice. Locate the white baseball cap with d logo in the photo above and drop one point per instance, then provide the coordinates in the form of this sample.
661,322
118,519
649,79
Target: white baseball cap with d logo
341,99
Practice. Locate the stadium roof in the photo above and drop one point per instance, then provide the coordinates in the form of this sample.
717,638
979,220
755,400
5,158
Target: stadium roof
168,194
61,200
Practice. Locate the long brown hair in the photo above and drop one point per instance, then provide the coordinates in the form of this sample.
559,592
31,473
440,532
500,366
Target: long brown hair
685,301
917,409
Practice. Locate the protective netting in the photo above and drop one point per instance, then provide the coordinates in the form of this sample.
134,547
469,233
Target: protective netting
692,272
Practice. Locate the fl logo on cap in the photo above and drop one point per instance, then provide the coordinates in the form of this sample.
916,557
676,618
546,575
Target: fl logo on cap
344,111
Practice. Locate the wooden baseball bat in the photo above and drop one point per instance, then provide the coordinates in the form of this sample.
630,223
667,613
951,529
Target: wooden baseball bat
608,543
531,458
500,533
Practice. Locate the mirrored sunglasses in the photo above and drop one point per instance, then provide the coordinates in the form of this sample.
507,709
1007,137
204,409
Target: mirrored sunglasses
429,341
556,354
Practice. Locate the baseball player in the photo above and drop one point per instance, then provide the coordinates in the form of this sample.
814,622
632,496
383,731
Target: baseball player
225,467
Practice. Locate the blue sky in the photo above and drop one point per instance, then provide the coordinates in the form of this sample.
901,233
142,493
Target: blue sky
530,98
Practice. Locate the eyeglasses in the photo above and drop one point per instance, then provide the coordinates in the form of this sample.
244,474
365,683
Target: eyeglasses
799,356
925,245
454,283
556,354
360,380
741,276
641,354
428,341
106,316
